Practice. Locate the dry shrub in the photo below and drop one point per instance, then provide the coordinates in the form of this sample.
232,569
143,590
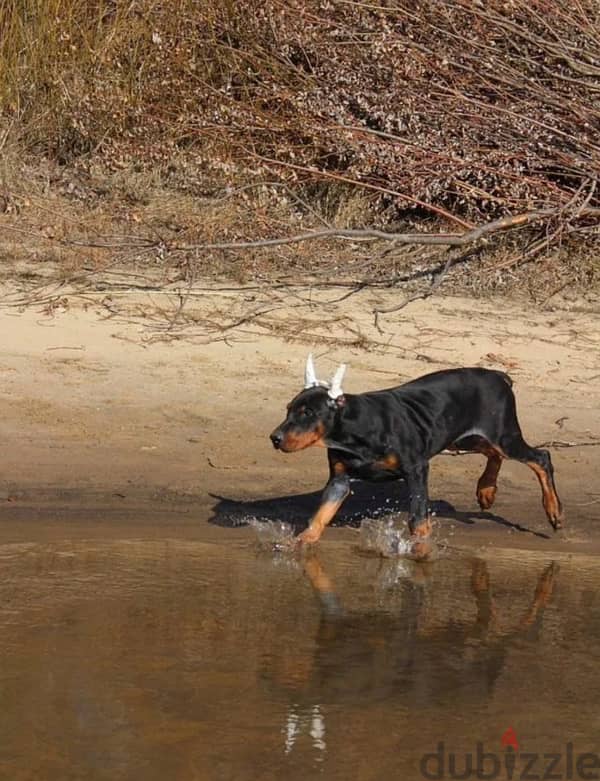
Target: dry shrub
439,105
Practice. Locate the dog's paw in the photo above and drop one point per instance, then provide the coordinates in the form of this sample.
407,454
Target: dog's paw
486,497
309,536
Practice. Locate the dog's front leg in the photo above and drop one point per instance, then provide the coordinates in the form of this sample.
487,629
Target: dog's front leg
336,490
419,521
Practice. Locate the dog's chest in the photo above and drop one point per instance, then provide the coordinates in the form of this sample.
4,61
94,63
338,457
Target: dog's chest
370,466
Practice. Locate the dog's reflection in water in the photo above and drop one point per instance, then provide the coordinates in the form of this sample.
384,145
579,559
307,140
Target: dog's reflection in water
415,657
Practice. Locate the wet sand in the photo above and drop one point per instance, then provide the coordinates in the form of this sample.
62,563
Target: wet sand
146,635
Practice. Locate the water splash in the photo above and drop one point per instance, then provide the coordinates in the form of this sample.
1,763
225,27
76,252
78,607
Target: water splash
389,537
386,537
273,535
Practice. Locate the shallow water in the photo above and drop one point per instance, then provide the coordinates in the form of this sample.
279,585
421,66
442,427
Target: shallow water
175,659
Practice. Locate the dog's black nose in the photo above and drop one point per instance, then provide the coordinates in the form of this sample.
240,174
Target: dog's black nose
277,439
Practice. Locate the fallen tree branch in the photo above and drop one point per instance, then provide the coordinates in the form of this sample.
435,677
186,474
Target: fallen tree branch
470,236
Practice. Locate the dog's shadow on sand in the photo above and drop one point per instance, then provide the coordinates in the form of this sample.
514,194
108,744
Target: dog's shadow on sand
365,502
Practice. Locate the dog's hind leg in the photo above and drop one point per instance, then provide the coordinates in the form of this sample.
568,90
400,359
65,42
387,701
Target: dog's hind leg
538,461
487,483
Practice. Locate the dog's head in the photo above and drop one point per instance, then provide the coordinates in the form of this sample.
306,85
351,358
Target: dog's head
311,414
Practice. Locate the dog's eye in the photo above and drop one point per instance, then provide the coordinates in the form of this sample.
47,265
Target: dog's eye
306,413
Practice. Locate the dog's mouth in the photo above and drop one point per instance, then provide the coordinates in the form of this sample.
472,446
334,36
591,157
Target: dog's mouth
292,441
285,446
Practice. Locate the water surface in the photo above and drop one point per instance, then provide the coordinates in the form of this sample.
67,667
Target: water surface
179,659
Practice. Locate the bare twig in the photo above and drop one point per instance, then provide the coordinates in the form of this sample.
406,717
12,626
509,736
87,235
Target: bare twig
281,186
368,186
558,443
416,296
183,298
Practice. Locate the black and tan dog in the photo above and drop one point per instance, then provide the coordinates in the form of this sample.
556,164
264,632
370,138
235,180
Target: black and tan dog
392,434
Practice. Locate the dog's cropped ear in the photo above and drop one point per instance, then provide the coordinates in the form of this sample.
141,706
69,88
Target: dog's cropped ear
310,376
335,388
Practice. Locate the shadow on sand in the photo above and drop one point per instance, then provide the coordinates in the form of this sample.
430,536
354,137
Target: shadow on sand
366,502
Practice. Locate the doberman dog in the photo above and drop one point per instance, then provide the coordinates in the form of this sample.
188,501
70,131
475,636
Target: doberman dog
392,434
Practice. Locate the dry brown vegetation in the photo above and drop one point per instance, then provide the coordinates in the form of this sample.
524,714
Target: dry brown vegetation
163,125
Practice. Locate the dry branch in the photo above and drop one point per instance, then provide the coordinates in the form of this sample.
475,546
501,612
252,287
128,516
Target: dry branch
320,174
470,236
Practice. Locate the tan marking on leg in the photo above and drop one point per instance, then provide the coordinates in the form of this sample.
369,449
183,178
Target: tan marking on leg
319,521
424,529
550,499
421,546
486,486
